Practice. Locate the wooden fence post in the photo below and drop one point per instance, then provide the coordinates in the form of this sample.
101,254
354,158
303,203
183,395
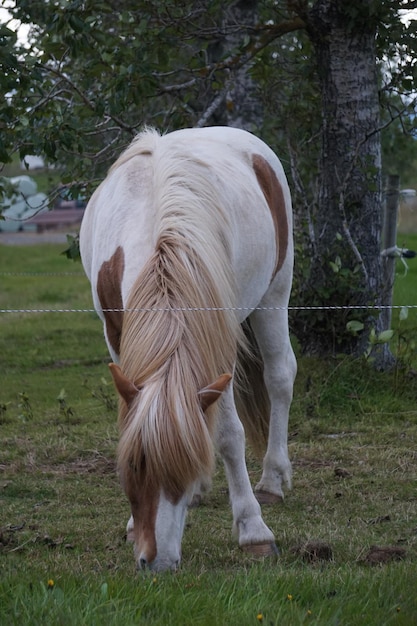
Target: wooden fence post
392,197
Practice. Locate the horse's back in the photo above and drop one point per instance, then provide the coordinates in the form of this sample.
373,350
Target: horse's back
232,167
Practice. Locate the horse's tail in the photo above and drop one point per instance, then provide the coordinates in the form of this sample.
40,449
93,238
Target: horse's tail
251,397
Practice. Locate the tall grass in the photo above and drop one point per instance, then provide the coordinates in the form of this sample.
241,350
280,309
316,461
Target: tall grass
63,558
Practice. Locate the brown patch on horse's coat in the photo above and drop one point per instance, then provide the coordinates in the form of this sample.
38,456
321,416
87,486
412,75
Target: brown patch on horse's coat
124,386
109,292
212,392
144,501
274,196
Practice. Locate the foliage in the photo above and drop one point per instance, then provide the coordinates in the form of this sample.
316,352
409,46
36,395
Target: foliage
63,558
97,77
93,73
398,72
342,289
398,139
73,250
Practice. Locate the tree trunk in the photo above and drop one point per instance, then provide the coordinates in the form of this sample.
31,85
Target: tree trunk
346,264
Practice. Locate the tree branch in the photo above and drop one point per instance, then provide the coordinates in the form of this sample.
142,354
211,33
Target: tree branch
269,34
127,127
263,37
212,107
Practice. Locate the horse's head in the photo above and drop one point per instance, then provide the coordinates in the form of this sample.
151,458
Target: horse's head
156,528
162,461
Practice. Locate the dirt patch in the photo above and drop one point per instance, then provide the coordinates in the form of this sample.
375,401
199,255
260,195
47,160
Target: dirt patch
380,555
98,464
314,551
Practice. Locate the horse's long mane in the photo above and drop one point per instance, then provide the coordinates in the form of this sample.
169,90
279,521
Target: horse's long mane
173,352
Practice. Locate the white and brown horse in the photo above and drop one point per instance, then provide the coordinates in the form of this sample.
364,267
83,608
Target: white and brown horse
188,247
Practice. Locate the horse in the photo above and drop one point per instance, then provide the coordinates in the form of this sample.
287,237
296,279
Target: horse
188,247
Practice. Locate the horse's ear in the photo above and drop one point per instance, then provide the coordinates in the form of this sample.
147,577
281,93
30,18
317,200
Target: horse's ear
126,389
212,392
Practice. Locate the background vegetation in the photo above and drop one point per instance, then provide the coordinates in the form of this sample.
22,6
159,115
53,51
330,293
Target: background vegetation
63,559
93,74
324,83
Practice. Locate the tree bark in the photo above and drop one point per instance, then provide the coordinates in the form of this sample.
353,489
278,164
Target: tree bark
346,264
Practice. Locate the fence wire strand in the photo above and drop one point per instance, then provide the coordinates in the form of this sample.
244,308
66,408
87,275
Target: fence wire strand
37,274
359,307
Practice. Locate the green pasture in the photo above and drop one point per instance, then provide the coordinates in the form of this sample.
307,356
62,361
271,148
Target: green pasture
63,557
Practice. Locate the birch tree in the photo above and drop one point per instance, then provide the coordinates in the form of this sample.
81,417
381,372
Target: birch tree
346,261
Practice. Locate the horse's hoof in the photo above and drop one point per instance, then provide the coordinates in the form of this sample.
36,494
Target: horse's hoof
261,549
266,497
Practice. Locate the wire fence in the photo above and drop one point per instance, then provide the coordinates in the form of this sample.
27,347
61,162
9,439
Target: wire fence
40,274
357,307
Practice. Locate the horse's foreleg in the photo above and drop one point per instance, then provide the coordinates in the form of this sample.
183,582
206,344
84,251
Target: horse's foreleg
271,331
253,534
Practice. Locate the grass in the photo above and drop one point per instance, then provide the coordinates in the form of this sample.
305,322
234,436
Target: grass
353,435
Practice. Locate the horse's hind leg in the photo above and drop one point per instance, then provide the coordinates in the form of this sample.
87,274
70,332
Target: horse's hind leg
271,332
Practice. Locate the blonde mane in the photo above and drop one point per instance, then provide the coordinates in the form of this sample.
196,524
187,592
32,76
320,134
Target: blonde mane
173,352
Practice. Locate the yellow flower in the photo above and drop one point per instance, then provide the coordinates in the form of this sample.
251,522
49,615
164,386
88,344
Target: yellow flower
154,580
309,612
289,597
50,583
259,617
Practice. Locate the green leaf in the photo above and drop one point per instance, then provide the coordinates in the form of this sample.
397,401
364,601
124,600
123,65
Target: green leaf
354,326
385,336
73,250
104,590
403,313
62,395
